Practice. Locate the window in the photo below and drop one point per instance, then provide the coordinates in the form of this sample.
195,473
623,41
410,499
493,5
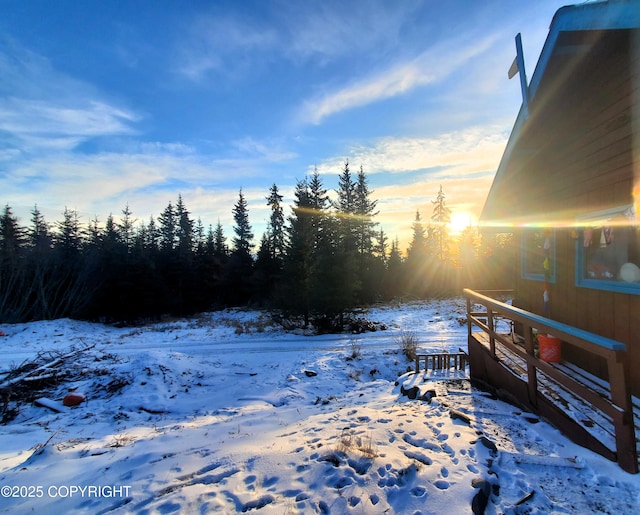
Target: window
538,255
608,254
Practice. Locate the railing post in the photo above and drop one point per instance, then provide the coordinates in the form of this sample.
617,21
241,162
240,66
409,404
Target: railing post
469,323
624,425
532,374
492,340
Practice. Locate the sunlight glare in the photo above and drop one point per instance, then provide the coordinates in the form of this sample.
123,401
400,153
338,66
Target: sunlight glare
460,221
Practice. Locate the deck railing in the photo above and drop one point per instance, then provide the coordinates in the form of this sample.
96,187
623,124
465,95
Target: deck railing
618,406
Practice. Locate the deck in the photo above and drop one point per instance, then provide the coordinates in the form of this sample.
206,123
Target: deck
597,414
593,421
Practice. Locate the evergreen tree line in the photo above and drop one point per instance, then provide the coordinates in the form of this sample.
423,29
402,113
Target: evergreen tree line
315,263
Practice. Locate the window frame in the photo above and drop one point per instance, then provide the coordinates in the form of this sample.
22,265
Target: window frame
539,277
611,285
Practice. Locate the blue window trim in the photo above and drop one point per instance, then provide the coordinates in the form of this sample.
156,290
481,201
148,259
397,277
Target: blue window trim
599,284
580,260
523,261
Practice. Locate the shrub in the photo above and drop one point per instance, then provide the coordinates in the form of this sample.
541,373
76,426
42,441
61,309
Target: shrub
408,343
356,349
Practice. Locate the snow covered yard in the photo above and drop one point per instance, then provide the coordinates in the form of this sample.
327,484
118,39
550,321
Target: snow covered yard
227,413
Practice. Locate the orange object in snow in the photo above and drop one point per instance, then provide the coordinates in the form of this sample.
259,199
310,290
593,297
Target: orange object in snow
2,333
73,399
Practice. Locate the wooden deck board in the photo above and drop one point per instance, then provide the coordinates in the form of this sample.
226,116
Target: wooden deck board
596,423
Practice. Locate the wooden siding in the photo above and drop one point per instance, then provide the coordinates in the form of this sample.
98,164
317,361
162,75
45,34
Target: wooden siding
580,159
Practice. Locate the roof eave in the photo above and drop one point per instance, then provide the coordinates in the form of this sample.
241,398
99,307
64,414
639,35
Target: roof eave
606,15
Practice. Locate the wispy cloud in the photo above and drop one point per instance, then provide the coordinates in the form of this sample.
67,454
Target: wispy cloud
324,31
433,65
267,151
304,32
384,85
220,44
46,123
41,108
456,154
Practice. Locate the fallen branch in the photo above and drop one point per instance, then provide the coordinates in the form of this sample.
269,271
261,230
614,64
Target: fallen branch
35,373
48,403
152,411
536,459
526,498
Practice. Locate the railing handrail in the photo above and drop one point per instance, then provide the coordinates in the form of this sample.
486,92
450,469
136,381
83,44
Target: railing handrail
574,335
618,407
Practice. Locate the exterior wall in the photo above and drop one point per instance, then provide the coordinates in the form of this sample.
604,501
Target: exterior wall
583,136
614,315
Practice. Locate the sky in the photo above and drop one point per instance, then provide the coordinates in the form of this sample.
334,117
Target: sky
105,105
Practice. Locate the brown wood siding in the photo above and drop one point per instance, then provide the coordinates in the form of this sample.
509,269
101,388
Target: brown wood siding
579,159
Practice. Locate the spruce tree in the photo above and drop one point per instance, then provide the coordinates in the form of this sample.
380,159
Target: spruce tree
365,210
184,230
345,207
239,271
13,275
199,237
276,223
242,242
343,243
394,276
167,230
441,216
369,269
74,283
220,249
69,235
39,234
126,228
417,259
40,265
318,200
12,236
293,294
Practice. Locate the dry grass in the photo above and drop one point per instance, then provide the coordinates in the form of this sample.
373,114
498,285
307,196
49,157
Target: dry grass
349,442
408,343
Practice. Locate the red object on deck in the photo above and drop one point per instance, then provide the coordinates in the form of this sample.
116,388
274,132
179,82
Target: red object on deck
550,348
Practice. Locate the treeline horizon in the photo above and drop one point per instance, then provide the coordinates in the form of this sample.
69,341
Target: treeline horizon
316,263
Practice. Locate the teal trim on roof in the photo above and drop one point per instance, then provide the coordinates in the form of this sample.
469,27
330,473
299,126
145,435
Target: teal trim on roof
612,15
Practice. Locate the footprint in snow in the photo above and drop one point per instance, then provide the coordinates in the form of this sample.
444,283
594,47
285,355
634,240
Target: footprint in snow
418,491
421,442
441,484
270,481
354,501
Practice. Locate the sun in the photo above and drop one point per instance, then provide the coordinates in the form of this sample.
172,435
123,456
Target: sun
460,220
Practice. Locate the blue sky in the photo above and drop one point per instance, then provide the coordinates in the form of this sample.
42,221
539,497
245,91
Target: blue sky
105,104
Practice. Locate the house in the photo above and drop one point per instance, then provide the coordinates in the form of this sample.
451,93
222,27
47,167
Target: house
568,186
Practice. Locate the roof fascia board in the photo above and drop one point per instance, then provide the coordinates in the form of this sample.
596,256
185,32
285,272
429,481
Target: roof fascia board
612,15
606,15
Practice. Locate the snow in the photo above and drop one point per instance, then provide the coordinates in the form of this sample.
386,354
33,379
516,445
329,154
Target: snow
222,413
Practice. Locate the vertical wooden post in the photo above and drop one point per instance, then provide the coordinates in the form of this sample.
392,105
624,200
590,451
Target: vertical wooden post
469,329
624,425
532,375
490,324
